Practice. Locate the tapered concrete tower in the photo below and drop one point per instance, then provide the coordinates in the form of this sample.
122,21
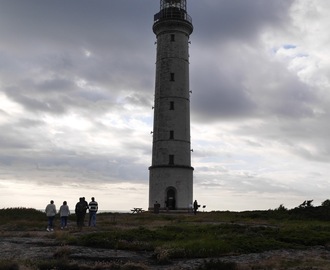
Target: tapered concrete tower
171,174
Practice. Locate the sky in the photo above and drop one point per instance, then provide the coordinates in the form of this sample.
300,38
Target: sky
77,85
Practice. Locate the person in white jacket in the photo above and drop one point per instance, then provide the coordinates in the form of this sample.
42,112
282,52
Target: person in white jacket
50,213
64,213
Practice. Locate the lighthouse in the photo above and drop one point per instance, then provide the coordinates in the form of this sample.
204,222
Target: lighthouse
171,173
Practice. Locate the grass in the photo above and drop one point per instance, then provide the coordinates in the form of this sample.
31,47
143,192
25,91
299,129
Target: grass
8,265
176,236
65,265
217,265
191,240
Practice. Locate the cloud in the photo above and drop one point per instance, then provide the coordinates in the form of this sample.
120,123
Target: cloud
77,86
239,21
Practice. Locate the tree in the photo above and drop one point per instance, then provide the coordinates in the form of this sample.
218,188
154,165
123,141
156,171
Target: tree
326,203
281,208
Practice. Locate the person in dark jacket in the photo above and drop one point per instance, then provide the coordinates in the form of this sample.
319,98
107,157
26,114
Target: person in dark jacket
195,206
80,211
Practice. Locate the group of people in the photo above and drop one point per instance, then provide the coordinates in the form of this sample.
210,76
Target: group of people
80,210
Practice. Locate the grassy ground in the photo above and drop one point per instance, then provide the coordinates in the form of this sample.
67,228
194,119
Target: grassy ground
178,236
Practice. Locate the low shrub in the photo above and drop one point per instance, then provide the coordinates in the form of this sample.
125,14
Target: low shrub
58,265
62,252
8,265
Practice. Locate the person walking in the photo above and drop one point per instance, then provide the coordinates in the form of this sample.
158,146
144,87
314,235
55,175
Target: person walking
64,213
50,213
93,207
80,211
195,207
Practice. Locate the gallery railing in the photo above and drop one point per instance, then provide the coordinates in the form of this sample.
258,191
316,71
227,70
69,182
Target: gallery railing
172,13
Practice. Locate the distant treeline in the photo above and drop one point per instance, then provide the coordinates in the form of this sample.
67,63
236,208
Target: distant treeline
302,212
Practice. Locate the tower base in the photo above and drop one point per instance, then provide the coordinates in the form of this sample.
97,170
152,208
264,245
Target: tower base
171,187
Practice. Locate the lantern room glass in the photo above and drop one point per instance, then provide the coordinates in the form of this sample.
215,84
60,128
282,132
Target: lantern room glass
181,4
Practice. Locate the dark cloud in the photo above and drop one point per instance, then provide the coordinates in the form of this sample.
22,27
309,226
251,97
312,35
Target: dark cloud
95,43
74,22
224,99
239,82
239,20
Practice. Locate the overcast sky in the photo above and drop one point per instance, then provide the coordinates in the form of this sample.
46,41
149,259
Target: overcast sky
77,86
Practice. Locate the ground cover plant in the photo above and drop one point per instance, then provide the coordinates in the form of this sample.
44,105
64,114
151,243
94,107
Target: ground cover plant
192,240
175,236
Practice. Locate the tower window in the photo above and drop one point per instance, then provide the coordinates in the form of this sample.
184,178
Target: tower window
171,134
171,105
172,77
171,159
172,37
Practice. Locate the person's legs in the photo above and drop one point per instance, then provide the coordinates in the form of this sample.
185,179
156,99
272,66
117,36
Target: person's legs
93,219
80,221
65,222
50,223
83,219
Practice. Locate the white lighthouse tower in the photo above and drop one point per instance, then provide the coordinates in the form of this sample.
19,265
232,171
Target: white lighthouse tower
171,173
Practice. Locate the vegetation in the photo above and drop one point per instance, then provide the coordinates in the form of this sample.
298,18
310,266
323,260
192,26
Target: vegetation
175,236
8,265
217,265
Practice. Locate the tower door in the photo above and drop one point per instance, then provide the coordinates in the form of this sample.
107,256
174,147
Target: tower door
170,199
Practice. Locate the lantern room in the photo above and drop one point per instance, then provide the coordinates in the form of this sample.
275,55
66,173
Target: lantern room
172,10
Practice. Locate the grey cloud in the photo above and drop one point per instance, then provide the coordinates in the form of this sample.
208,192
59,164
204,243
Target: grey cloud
57,85
8,143
244,182
70,22
278,92
217,96
28,123
36,103
57,63
139,99
109,30
237,20
58,96
248,85
318,155
20,136
64,165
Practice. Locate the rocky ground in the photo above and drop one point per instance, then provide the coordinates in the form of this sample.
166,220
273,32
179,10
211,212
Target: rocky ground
38,246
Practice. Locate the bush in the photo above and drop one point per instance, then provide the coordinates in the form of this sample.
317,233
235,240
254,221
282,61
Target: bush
21,213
